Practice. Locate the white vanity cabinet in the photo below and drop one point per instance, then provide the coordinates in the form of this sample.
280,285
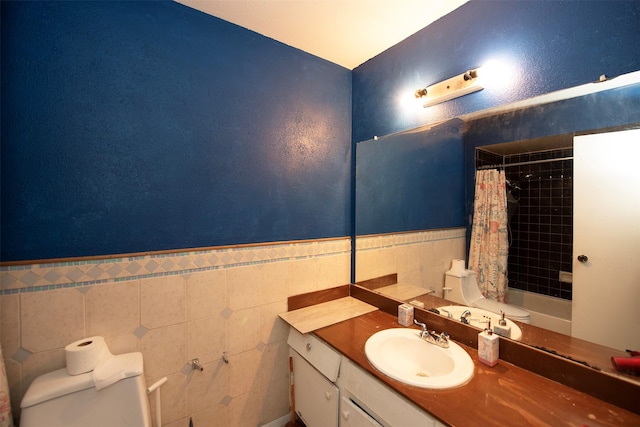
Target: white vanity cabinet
330,391
315,371
382,405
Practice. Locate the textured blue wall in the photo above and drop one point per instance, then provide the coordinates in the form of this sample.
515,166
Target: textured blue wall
139,126
135,126
411,181
614,108
548,45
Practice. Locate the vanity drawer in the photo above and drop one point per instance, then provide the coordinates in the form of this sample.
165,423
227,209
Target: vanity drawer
324,358
379,401
351,415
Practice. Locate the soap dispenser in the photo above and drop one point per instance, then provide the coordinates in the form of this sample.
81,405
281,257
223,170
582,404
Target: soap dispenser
488,346
502,328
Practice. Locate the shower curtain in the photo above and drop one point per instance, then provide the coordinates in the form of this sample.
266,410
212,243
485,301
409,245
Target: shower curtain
6,420
489,246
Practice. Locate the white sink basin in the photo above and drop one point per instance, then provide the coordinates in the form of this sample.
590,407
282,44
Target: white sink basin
401,354
478,319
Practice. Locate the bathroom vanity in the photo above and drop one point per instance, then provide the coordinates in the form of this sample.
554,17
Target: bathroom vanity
506,394
502,395
331,390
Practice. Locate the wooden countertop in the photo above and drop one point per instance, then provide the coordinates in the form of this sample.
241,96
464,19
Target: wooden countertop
504,395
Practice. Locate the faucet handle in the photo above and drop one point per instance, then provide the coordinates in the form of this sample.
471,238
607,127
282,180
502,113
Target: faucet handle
423,326
464,318
443,340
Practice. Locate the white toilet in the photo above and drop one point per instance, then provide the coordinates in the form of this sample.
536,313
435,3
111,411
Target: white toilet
462,287
58,399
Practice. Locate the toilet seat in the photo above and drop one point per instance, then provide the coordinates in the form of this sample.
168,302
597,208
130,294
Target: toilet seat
473,297
510,312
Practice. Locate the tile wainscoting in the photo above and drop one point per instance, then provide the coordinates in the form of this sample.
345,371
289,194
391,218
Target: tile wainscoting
419,258
172,308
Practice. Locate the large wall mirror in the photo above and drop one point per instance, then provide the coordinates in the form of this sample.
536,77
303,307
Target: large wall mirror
414,200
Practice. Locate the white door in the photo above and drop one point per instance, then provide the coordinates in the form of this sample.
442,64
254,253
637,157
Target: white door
606,245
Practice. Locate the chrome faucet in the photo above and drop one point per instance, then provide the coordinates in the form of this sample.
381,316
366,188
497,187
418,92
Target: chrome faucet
464,318
449,315
441,340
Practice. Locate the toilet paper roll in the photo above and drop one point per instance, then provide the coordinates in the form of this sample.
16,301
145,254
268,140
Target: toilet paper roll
85,354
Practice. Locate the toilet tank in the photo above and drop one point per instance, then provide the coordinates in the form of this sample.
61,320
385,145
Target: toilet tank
58,399
453,283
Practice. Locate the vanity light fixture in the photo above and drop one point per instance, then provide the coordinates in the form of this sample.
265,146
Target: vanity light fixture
445,90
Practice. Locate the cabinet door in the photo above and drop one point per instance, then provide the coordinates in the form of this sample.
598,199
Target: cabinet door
352,416
316,398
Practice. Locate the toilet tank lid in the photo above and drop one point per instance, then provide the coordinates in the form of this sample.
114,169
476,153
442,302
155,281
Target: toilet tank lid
459,273
59,383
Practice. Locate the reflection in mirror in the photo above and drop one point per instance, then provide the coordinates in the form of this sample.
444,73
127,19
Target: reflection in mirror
539,192
580,351
399,227
405,181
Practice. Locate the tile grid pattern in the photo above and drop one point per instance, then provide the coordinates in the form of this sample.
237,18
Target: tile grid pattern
172,308
71,274
540,207
420,259
371,243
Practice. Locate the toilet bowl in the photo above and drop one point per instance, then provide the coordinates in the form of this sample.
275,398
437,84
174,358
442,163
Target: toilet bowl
58,399
463,289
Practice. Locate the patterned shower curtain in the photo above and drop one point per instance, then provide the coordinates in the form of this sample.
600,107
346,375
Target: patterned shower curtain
489,242
6,419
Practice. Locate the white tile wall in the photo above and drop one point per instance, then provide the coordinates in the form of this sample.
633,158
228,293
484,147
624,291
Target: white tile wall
173,308
419,258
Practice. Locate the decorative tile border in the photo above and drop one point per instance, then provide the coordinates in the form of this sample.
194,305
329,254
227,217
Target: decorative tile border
381,241
74,273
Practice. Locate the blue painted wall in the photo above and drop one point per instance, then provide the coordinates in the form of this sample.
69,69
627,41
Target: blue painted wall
548,45
606,110
411,181
140,126
135,126
418,180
